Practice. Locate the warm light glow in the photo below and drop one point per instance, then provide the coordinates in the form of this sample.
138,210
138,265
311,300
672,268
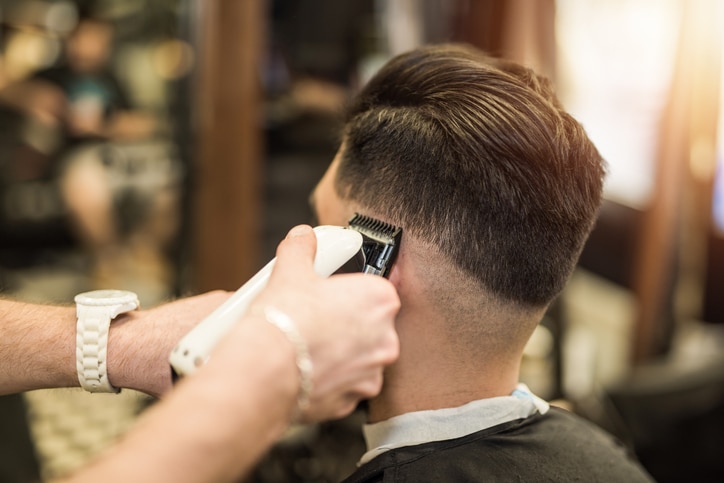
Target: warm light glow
28,50
173,59
616,60
61,17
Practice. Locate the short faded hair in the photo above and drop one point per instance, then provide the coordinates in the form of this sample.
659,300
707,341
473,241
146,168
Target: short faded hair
476,156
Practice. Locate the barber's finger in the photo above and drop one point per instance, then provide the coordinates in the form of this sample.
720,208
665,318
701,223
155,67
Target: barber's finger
296,252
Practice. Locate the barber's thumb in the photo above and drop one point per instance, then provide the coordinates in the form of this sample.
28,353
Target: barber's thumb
301,231
300,245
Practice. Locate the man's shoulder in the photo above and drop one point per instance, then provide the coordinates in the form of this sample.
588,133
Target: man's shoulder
557,446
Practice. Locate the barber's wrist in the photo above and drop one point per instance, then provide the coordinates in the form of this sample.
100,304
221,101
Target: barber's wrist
303,360
123,364
138,352
279,356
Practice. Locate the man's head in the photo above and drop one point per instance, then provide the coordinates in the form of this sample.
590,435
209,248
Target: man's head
496,189
89,45
474,156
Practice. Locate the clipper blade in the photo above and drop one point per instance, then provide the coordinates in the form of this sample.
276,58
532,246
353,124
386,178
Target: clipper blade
381,242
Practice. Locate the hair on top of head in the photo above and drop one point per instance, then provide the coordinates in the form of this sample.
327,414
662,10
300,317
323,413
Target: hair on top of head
475,155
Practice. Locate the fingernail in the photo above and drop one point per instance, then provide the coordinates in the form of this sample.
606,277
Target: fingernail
300,230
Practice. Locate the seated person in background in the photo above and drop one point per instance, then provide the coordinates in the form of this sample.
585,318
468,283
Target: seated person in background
496,189
97,110
79,100
82,106
96,106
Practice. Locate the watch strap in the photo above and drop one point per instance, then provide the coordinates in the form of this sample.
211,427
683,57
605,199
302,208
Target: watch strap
95,311
91,353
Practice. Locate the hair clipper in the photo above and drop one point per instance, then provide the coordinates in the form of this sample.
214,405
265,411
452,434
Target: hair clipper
366,245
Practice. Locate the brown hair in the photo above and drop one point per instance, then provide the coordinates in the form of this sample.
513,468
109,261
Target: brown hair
476,156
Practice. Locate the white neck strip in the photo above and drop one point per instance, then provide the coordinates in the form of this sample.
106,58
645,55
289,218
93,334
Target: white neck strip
441,424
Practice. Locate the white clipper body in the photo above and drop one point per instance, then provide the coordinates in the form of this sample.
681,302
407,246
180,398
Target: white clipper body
336,246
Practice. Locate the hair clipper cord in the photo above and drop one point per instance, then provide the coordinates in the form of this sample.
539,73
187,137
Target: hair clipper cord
380,244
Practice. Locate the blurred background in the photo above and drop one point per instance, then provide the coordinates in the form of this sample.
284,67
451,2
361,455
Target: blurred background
166,146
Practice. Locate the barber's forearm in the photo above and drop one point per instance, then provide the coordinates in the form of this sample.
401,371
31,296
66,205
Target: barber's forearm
38,343
138,350
37,346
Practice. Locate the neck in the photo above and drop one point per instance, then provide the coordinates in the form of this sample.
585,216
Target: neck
435,375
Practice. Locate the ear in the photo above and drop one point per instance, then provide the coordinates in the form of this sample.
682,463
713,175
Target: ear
395,276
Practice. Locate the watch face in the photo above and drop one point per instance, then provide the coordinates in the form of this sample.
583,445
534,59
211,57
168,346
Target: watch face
106,297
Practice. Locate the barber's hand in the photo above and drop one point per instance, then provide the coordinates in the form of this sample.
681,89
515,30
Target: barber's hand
347,321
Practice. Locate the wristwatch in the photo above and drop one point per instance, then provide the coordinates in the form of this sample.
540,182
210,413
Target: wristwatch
95,311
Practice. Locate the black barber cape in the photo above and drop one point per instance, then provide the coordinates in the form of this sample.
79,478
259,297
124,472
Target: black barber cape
557,446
